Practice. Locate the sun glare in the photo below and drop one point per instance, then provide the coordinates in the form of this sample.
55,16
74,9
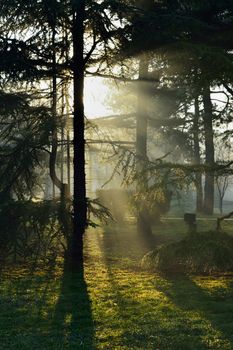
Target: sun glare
96,94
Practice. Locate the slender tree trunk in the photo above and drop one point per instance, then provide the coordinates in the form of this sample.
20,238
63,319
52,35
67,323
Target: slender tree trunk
143,219
67,108
79,201
63,188
62,132
197,157
209,152
53,155
67,137
221,204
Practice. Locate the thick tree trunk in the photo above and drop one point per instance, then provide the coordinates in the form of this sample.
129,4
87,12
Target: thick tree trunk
79,201
209,152
143,219
197,157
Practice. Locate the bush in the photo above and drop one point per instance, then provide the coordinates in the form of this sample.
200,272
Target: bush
29,231
207,252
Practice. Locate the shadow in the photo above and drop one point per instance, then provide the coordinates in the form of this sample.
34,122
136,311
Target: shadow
47,309
147,240
190,317
123,242
143,323
215,307
73,316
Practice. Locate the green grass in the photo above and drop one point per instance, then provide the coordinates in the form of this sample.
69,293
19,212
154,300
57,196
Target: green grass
116,305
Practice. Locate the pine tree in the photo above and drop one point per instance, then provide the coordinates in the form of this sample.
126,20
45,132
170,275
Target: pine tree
40,51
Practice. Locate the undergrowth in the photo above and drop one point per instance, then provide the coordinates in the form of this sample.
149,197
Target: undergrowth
207,252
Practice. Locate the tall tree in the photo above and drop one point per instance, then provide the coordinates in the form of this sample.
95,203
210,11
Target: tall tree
79,201
197,156
209,152
143,219
40,58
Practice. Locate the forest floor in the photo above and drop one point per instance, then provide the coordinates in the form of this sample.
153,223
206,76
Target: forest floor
116,305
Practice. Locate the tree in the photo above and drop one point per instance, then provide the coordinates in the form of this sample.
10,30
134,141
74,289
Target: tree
223,175
44,52
209,151
197,156
79,203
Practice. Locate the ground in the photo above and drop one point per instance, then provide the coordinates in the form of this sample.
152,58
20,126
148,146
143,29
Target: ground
116,305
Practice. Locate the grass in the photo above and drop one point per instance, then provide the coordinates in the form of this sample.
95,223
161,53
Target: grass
116,305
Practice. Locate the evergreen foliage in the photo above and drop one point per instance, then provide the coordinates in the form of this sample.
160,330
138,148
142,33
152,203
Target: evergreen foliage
30,232
200,253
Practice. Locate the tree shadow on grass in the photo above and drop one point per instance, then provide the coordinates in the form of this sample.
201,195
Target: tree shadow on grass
213,307
141,320
189,318
123,242
72,319
45,311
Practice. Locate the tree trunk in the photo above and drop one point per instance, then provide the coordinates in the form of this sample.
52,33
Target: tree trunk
63,188
221,204
53,155
67,111
79,200
209,152
197,157
143,219
67,137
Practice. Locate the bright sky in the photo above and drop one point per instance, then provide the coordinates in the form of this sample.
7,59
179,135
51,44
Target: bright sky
96,95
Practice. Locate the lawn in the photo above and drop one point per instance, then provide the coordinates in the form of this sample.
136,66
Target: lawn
116,305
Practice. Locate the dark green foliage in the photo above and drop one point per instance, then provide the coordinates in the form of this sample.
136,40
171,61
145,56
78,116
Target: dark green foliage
25,134
97,211
156,200
30,231
207,252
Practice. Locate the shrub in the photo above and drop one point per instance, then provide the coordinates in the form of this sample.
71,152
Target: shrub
29,230
207,252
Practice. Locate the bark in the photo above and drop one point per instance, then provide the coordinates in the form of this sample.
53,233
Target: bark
197,157
209,152
79,200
